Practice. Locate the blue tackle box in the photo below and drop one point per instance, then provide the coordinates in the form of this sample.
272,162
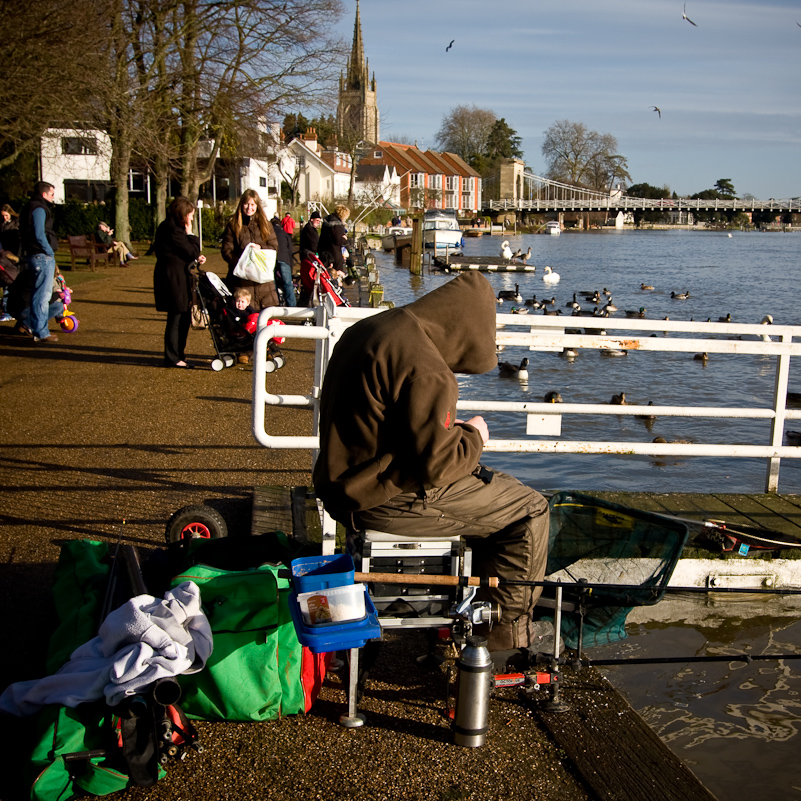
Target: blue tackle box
322,573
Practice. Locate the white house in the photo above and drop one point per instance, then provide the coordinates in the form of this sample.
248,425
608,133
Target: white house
77,161
377,184
320,175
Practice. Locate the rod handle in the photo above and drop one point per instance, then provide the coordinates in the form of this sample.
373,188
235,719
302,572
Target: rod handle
417,578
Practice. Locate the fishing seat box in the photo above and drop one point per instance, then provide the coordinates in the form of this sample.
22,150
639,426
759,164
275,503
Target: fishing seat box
428,604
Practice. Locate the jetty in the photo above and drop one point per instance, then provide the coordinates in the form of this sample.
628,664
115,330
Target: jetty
485,264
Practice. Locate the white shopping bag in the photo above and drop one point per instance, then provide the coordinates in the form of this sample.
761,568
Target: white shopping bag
256,264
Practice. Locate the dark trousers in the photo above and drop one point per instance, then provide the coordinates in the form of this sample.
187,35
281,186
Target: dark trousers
175,334
503,521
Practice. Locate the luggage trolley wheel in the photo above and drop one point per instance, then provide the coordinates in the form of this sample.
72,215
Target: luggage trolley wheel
228,360
270,366
217,365
195,522
279,361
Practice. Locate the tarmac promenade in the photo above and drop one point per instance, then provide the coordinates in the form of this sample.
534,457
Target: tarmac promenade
101,442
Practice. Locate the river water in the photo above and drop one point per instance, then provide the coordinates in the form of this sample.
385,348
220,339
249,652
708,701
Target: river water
735,724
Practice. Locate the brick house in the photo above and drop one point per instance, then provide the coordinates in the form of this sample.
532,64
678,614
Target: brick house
429,179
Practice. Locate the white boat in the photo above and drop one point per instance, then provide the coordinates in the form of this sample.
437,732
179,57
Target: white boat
388,240
441,229
553,228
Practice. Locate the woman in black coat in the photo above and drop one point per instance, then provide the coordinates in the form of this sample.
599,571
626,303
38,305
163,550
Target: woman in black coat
176,248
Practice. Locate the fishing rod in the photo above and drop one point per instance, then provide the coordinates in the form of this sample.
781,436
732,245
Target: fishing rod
580,586
584,589
668,660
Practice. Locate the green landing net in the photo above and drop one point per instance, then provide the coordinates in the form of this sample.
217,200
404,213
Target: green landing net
606,543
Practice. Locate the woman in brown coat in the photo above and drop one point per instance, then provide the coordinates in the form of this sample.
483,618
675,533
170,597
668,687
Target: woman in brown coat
176,248
249,225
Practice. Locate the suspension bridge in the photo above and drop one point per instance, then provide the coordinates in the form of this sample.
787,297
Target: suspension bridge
533,193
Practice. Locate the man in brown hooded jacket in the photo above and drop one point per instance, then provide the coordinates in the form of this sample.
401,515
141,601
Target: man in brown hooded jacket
394,457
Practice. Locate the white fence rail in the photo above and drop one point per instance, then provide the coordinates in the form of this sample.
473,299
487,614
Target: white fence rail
547,333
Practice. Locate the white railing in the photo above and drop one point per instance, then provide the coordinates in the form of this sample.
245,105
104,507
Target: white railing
547,333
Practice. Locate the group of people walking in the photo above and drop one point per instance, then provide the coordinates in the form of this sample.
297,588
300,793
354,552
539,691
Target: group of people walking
177,248
32,238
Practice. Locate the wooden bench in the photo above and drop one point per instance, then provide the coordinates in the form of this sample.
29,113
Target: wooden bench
86,249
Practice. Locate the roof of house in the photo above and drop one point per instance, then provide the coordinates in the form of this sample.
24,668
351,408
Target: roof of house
409,158
371,172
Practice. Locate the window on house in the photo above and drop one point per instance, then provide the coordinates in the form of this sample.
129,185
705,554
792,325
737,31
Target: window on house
262,181
378,154
79,145
452,182
417,180
437,182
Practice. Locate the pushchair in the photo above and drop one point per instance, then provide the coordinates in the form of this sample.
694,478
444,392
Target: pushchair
316,281
229,334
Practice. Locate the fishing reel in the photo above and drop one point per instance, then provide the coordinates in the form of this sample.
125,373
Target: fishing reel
468,613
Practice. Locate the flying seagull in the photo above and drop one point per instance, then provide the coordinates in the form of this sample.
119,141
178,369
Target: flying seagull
658,111
684,16
450,45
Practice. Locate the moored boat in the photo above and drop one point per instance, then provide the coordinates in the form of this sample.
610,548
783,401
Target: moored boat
553,228
388,240
441,229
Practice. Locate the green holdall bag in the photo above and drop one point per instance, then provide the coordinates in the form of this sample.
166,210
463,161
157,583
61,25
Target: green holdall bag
258,669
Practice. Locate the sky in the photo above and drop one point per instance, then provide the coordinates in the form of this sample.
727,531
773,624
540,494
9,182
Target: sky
729,89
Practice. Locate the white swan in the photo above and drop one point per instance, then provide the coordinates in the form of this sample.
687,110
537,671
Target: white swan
506,251
550,277
766,320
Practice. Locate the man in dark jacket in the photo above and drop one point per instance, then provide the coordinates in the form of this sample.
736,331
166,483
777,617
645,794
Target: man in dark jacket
39,246
283,263
394,457
334,236
310,235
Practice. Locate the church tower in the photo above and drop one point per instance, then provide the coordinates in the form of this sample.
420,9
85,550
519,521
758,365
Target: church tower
358,105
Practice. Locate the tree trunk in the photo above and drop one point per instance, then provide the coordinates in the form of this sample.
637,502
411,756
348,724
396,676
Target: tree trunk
120,165
162,176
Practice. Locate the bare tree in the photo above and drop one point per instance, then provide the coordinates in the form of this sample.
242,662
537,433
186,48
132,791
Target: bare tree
249,60
187,79
51,53
576,155
291,169
465,130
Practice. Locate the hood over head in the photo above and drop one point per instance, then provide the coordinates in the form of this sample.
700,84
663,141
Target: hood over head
459,318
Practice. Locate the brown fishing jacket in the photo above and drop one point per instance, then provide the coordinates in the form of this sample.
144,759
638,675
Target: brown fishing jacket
388,405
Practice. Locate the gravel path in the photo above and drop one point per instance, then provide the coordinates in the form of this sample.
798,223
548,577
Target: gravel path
101,442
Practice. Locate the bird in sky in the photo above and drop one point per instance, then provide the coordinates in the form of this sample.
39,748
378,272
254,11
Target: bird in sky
453,40
658,111
684,16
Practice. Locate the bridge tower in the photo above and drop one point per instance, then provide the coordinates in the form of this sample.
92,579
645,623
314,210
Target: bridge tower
511,182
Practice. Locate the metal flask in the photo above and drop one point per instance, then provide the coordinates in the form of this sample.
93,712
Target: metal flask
473,692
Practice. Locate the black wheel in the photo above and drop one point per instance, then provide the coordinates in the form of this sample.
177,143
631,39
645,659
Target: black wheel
195,522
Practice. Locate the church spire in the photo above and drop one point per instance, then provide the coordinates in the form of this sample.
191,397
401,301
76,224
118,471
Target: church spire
356,64
357,110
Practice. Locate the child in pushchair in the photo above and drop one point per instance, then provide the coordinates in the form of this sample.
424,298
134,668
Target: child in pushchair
232,324
316,281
